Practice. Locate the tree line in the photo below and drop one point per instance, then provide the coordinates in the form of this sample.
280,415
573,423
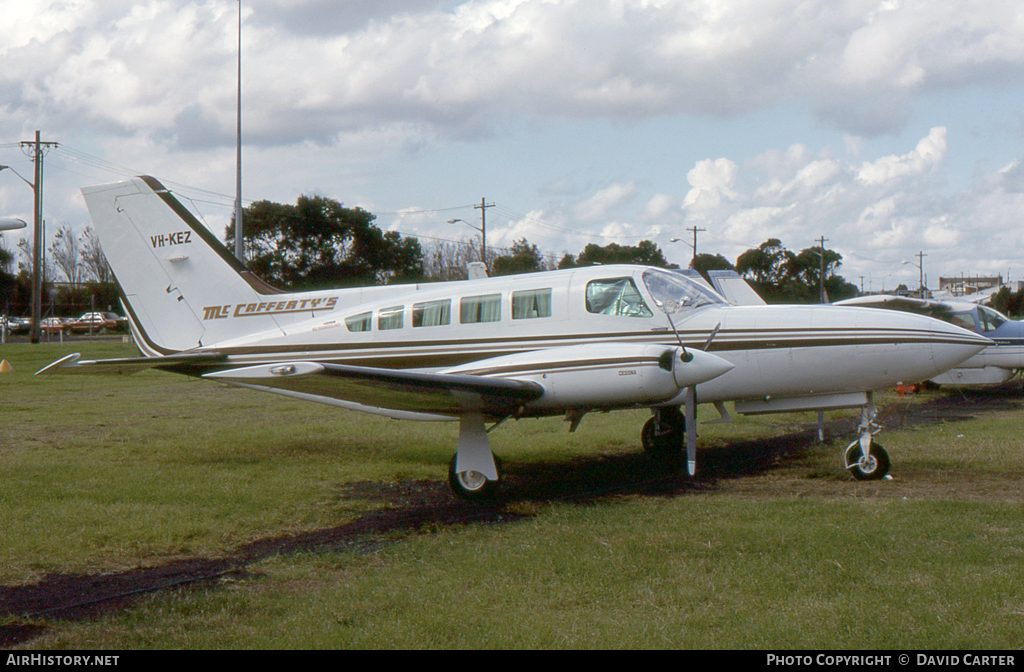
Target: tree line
318,242
76,276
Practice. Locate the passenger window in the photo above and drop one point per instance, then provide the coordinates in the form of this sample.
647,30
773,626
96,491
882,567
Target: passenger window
480,309
530,304
432,313
617,296
361,322
391,318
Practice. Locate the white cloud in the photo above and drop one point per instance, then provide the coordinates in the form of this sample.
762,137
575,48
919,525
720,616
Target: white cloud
598,205
924,158
711,182
331,89
463,68
876,213
658,206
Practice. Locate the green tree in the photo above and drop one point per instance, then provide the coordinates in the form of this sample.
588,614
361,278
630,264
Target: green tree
704,262
645,253
7,281
1008,303
764,265
522,258
319,243
781,276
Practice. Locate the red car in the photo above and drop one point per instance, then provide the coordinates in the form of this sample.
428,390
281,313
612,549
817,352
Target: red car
52,325
93,323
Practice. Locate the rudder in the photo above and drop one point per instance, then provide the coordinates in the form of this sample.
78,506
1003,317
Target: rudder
174,275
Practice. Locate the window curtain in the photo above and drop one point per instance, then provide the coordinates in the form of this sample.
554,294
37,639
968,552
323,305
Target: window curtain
431,313
391,318
530,304
480,309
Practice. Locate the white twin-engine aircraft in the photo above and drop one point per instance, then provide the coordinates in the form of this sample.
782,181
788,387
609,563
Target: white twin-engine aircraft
485,350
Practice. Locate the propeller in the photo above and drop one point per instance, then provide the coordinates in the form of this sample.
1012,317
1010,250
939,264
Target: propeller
670,307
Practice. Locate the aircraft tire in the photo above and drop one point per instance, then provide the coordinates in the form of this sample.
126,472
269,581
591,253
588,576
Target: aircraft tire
875,468
471,485
668,444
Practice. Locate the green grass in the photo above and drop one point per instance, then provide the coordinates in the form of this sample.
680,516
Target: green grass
103,474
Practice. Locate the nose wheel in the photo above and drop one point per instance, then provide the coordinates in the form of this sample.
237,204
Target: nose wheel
870,467
865,459
662,434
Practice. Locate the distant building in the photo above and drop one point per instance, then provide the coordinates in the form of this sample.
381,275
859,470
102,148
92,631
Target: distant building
969,285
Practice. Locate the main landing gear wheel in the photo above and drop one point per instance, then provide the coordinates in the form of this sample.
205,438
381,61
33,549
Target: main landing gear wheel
662,434
472,485
871,467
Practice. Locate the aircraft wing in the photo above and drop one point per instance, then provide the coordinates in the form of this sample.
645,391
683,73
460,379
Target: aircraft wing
549,380
391,389
906,303
396,393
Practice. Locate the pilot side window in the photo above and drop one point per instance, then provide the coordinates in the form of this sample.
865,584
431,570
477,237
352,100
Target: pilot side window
616,296
964,321
990,319
530,304
391,318
361,322
432,313
480,309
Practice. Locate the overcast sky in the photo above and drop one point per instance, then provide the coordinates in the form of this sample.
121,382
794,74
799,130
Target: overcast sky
888,127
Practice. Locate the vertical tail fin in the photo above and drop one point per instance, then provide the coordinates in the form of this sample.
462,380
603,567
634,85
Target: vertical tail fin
178,282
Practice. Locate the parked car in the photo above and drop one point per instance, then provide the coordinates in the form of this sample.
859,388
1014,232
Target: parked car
94,323
52,325
18,325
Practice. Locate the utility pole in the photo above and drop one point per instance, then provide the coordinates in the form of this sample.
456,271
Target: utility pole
695,229
34,150
920,270
483,227
821,273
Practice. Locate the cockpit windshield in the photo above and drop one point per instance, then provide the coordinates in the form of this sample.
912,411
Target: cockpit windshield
673,292
990,319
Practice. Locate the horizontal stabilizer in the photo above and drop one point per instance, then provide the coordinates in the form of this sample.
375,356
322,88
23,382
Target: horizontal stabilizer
187,363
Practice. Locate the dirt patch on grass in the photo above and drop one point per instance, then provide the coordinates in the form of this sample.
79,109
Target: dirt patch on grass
756,469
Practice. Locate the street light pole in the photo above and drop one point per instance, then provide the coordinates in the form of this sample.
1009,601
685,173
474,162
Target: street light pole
239,242
482,229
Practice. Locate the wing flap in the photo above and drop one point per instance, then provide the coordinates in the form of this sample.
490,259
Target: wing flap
440,393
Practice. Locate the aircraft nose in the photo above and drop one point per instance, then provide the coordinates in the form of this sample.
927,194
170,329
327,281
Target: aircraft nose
696,366
952,345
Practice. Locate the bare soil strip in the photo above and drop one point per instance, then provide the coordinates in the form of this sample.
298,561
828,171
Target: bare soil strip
418,505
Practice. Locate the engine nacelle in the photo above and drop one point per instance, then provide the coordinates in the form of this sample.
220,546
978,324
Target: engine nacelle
602,375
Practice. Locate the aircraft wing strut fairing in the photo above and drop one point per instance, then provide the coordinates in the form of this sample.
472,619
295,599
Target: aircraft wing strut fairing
488,349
